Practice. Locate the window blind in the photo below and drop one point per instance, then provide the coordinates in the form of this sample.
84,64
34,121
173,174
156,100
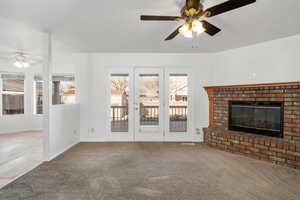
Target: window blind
12,76
13,82
38,78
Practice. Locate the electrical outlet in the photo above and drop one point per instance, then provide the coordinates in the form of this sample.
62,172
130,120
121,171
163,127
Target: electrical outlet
198,131
92,130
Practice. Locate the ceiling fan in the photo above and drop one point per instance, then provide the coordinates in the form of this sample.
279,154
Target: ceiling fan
193,14
19,59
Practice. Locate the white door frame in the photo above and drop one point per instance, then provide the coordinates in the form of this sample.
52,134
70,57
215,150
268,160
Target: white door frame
187,136
167,136
149,133
121,136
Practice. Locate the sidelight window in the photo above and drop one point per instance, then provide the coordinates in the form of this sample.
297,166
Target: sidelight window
119,102
178,102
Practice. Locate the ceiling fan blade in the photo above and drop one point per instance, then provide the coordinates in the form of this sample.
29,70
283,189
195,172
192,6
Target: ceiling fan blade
160,18
174,34
227,6
210,29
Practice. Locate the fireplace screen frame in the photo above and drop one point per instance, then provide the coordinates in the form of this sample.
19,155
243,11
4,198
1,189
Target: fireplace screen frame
265,132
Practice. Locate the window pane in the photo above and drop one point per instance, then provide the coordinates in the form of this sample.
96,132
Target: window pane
178,93
13,104
63,90
39,97
13,85
119,102
149,99
12,94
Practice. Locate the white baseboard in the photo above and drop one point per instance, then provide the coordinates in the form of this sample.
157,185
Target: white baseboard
62,151
171,140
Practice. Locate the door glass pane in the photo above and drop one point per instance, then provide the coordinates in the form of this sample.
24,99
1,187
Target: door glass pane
119,102
149,99
178,94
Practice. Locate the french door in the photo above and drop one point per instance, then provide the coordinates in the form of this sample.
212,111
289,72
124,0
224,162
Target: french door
150,104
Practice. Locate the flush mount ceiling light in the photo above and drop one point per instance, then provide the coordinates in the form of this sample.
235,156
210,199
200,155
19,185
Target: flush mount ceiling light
193,14
21,61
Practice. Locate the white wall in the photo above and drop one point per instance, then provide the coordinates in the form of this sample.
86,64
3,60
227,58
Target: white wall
64,120
17,37
94,114
63,124
64,128
274,61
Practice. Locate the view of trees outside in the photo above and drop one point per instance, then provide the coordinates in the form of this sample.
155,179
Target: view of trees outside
119,102
178,90
119,90
64,92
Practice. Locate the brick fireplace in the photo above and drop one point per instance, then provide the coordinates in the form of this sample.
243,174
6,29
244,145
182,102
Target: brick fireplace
258,142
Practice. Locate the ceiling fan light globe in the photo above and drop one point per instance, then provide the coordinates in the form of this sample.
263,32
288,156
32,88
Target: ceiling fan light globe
197,27
184,29
21,65
26,65
188,34
17,64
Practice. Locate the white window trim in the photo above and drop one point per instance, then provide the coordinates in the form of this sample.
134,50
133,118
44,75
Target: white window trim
9,92
119,136
189,135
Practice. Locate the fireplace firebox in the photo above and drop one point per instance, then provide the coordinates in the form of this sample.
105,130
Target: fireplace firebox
263,118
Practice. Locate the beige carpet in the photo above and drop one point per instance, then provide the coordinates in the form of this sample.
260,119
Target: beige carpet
158,171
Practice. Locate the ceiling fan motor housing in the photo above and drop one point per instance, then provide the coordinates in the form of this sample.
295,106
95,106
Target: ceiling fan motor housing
192,8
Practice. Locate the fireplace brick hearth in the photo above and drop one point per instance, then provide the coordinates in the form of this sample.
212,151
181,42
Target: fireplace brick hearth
283,151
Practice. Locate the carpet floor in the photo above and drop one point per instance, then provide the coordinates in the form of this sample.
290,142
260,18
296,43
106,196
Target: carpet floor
154,171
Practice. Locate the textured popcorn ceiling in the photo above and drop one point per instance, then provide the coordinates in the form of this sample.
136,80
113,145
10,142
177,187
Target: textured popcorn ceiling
115,26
